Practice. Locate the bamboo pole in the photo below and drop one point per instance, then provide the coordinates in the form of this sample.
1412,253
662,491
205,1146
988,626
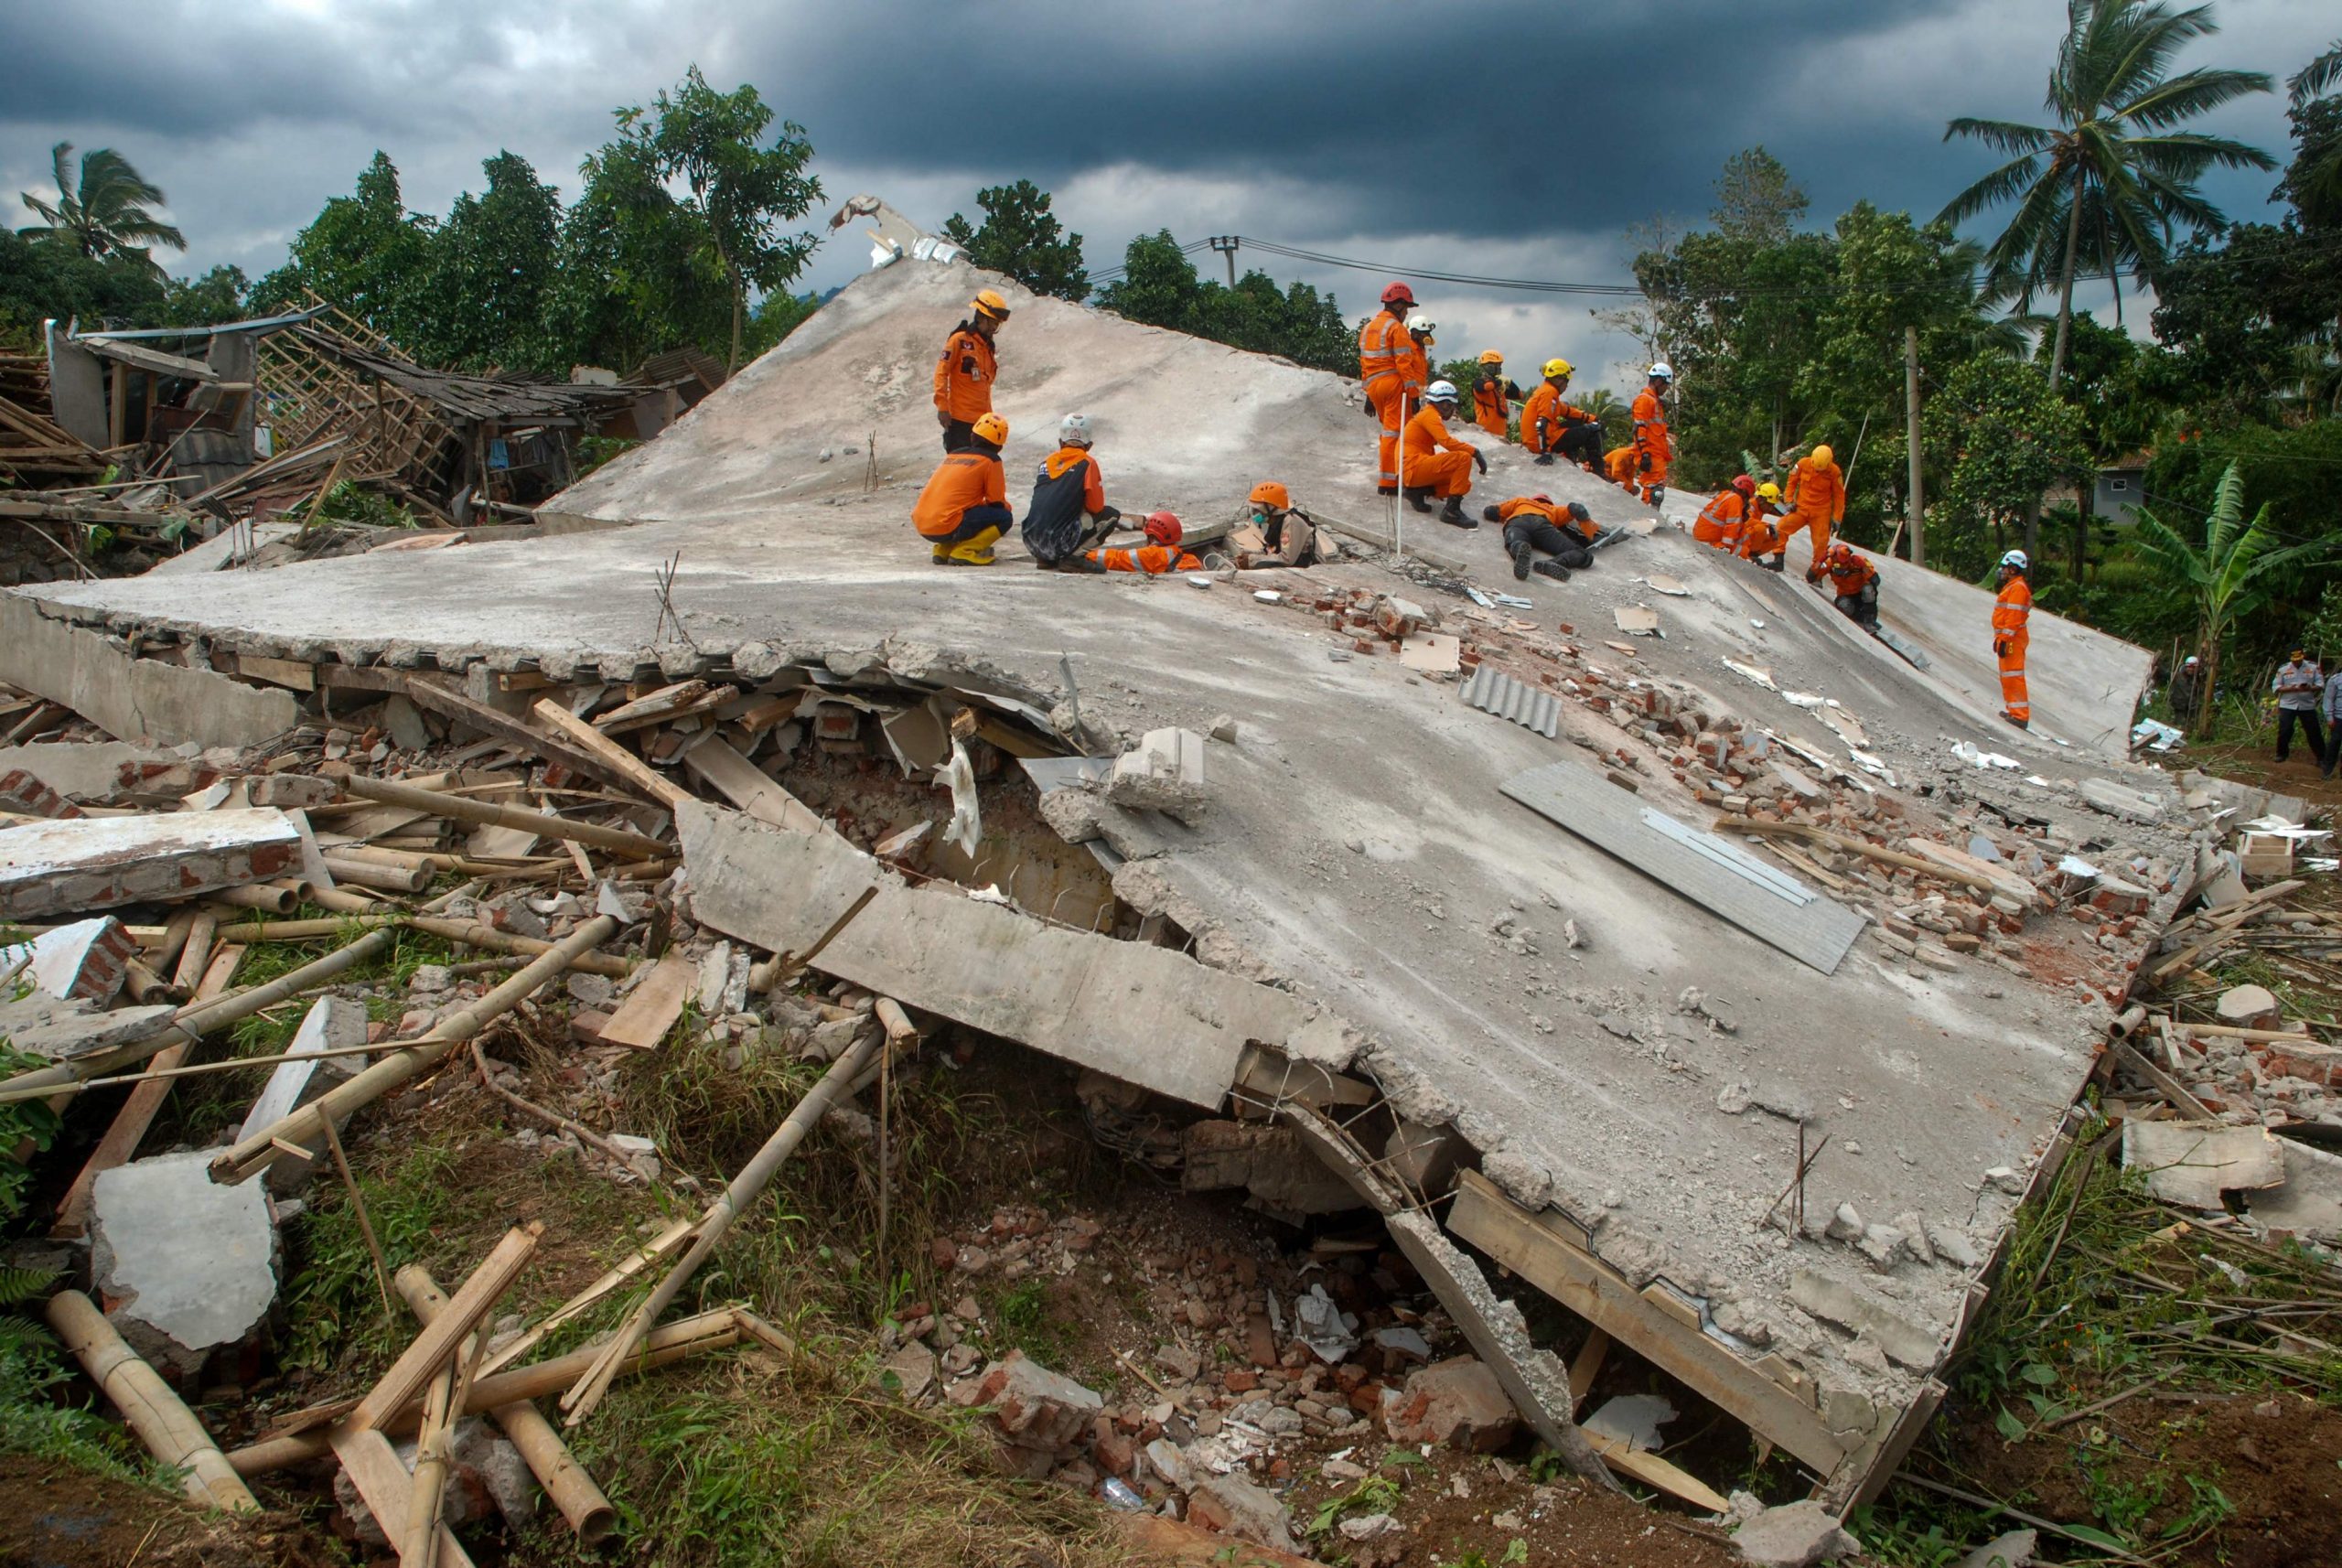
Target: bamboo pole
671,1342
658,1249
163,951
260,1151
462,809
443,1336
371,874
195,950
743,1190
467,933
277,897
167,1427
566,1481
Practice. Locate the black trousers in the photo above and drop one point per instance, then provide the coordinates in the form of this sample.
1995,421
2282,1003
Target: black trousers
1580,443
959,435
1569,549
1861,608
2308,718
973,522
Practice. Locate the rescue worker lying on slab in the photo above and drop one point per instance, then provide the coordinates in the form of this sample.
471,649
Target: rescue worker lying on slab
1549,424
964,511
1069,513
1492,395
1159,554
966,370
1537,524
1288,534
1854,581
1723,520
1432,462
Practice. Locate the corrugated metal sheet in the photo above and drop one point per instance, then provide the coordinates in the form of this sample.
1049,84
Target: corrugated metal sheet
1492,691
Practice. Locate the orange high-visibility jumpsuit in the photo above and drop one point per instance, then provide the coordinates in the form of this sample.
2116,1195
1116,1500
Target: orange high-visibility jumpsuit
1154,560
1654,450
1850,579
965,503
2012,612
1619,463
1761,536
1492,402
1722,521
1385,360
1435,460
1544,417
964,374
1817,497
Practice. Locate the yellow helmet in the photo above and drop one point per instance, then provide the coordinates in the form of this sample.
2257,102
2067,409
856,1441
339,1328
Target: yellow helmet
1554,367
1491,356
990,427
1822,456
1768,491
989,303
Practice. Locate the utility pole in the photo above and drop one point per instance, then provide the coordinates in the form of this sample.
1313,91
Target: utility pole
1226,245
1916,503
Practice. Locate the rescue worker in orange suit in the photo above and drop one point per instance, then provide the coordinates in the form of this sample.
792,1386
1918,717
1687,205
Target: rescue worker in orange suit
1723,520
1549,425
1160,553
1287,531
1618,467
1068,511
2012,612
1760,537
1436,463
1854,581
1492,395
1385,361
1817,497
1654,448
966,369
1535,524
964,511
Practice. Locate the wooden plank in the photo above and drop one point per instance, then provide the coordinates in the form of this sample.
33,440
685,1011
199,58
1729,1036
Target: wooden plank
651,1008
612,757
436,1344
1654,1471
503,727
649,709
2170,1087
748,787
1498,1226
289,672
385,1487
1698,865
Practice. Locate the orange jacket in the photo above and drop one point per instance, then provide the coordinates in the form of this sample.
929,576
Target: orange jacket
1619,464
1152,559
2012,609
1414,367
1817,490
1491,401
1852,578
1428,433
1650,431
1719,523
1555,513
1760,535
1382,343
1542,416
962,480
964,372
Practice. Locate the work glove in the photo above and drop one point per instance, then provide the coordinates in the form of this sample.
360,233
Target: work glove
944,418
1108,514
1481,459
2000,648
1544,459
1643,464
1813,576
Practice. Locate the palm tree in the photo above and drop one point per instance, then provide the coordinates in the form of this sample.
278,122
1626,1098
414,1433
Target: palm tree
2321,161
105,212
2114,177
2226,576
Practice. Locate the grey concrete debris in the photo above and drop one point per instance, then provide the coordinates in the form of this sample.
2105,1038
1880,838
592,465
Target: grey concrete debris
2015,1550
1794,1535
332,1022
1835,1301
188,1265
1234,1506
1164,772
2192,1165
40,1024
2307,1205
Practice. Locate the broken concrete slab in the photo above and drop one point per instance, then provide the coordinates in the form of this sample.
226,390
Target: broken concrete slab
1164,772
129,698
1835,1301
1794,1535
333,1023
86,961
2116,801
100,863
89,771
1146,1014
1231,1505
2191,1164
2307,1204
1456,1403
2249,1007
183,1265
43,1026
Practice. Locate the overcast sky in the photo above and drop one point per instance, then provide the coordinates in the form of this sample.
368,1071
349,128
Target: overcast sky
1490,137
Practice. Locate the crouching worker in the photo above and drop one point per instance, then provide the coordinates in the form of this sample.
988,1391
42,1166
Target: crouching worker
1723,521
1760,537
1288,532
1069,513
1434,463
964,511
1160,553
1854,581
1537,524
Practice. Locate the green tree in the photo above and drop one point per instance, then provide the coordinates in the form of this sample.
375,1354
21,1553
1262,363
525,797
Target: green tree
38,281
1756,199
632,279
2316,177
107,212
2227,577
488,269
364,252
1999,438
217,296
2112,179
1021,238
1160,288
740,190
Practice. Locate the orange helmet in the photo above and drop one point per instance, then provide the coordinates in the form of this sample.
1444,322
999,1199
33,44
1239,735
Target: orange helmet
989,303
1839,551
1268,492
1163,528
990,427
1491,356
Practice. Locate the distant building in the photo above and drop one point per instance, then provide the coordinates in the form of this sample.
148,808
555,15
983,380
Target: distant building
2121,488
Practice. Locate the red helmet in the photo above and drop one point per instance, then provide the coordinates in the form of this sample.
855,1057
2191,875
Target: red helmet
1744,484
1398,294
1839,551
1163,528
1542,499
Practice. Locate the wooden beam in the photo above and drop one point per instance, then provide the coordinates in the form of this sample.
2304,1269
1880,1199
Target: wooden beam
615,759
748,787
503,727
436,1344
384,1486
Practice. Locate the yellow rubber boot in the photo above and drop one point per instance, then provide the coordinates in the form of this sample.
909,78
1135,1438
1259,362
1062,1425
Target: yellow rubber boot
976,552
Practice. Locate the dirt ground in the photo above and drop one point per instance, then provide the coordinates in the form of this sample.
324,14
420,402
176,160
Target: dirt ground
55,1516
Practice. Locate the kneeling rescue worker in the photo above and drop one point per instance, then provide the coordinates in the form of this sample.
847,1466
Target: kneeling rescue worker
1285,528
1160,553
1854,580
1492,395
1760,538
966,370
1436,463
1723,521
1068,511
2012,613
1549,425
1538,523
964,511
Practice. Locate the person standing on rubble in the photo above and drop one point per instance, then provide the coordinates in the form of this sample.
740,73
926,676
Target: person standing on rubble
1436,463
1385,358
964,511
1654,447
1723,520
1493,395
966,370
1817,497
1069,513
2298,686
2186,690
1535,526
2011,618
1159,554
1549,425
1854,582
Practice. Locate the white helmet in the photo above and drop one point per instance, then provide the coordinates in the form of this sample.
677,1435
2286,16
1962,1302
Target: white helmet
1663,371
1073,430
1440,392
2016,558
1419,322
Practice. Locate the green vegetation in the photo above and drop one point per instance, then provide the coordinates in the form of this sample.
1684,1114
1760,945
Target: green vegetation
1021,238
32,1420
1159,286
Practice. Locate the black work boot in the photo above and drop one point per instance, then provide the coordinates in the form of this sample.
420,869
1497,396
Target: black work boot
1544,459
1553,569
1418,496
1521,557
1452,515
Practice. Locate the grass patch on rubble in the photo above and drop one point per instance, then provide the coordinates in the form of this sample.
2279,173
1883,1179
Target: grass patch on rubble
2112,1309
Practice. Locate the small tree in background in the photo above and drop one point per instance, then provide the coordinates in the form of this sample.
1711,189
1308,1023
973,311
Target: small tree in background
104,213
1021,238
2001,437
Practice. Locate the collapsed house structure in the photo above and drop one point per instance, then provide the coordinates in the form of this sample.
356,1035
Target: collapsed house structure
1463,897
